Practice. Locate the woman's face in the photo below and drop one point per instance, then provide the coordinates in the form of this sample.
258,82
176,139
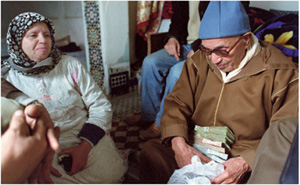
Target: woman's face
36,43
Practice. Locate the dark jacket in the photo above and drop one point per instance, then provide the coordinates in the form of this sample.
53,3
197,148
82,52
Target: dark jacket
180,18
179,22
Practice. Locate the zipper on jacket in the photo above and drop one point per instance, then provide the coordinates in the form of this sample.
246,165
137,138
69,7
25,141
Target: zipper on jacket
218,104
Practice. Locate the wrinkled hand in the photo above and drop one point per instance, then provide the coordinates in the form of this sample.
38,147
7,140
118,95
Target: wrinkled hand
190,54
184,152
173,48
79,155
235,169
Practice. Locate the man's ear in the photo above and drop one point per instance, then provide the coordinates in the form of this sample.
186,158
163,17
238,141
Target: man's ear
247,39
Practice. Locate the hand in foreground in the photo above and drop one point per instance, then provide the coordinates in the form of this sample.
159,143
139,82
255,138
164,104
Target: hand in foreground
173,48
235,169
42,172
184,152
79,155
21,151
35,111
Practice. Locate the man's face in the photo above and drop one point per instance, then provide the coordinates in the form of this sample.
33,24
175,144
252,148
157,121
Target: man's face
227,53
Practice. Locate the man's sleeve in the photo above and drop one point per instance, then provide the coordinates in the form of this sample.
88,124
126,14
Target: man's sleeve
179,104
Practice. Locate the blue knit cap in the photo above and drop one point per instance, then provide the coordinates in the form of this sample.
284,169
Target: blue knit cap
224,19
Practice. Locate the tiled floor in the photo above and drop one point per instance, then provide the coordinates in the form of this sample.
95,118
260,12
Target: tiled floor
126,104
126,137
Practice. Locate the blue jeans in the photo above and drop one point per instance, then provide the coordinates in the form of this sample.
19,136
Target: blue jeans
159,75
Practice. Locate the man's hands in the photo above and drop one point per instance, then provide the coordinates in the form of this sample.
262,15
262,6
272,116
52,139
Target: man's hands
23,151
79,155
184,152
235,169
173,48
42,172
35,111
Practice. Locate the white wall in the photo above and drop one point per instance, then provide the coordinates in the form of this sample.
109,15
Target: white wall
114,35
65,15
278,5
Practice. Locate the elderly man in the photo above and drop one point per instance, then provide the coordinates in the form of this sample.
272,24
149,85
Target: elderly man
234,81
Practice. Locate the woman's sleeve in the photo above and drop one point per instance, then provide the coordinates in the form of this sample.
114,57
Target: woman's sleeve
98,106
11,92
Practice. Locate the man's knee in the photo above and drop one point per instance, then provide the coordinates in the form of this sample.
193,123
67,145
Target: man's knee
157,162
174,74
149,150
151,61
176,70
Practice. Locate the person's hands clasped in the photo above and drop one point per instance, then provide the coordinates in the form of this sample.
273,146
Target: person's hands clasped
184,152
25,148
173,48
38,111
42,172
79,155
235,169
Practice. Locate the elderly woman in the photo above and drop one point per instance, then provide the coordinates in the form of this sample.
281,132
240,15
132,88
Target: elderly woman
74,101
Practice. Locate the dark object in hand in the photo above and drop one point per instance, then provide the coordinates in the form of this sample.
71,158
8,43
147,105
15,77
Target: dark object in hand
66,160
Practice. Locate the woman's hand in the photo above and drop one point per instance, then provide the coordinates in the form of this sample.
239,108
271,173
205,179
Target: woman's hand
79,155
173,48
184,152
235,169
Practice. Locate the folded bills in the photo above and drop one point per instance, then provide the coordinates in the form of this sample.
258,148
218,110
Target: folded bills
215,142
216,148
216,156
218,133
205,141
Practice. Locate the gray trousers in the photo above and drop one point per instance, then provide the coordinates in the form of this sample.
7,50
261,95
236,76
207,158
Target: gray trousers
272,152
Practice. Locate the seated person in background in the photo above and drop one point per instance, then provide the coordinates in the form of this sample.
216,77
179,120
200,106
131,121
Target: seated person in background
234,81
161,70
74,101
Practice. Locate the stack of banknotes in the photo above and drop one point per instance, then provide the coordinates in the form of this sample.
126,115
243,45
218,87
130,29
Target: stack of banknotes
215,142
